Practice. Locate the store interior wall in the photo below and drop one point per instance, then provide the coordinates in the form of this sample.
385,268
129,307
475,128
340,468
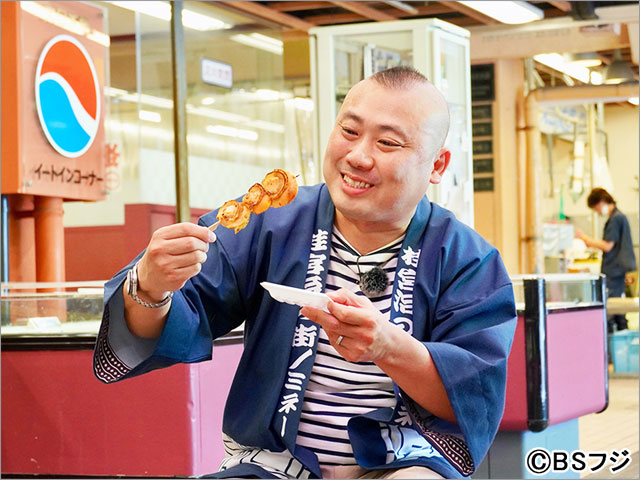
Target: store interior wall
621,125
496,210
621,128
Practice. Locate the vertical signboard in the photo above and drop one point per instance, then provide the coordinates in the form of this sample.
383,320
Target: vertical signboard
56,146
482,96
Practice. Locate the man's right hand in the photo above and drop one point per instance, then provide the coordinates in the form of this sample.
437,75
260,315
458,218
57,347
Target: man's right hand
174,255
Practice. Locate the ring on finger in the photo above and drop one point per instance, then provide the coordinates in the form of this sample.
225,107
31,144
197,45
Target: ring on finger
339,340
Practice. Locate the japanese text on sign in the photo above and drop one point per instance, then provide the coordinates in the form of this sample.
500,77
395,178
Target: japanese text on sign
216,73
66,175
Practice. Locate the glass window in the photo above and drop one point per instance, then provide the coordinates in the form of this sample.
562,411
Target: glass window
359,56
238,110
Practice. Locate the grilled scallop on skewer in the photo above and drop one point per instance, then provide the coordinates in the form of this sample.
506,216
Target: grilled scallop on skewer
281,186
234,214
257,199
278,188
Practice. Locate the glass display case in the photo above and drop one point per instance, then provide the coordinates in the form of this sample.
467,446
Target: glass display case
68,314
53,406
560,348
562,290
343,55
557,370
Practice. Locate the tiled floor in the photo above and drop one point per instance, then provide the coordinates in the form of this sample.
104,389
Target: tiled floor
614,429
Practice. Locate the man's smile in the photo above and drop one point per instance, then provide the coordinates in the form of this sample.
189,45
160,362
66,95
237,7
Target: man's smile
355,184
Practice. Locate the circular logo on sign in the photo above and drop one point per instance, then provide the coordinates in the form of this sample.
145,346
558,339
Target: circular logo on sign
67,96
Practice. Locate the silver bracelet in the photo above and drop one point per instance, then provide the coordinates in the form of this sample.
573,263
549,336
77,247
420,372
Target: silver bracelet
132,290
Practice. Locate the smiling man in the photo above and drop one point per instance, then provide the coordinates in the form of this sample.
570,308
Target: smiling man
404,376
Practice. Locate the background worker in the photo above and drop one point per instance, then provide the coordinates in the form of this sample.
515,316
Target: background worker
618,257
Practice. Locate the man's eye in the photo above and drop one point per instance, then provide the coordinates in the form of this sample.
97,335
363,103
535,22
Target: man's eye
348,131
387,143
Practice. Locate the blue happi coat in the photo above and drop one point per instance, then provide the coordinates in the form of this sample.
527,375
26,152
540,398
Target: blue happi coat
451,292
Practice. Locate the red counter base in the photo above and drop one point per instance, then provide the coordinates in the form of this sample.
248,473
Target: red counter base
58,419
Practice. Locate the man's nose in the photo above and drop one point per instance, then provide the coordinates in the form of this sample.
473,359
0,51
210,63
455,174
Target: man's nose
360,156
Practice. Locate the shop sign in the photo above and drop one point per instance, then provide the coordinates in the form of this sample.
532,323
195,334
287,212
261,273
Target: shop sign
484,129
482,147
52,90
483,165
216,73
483,184
482,83
481,112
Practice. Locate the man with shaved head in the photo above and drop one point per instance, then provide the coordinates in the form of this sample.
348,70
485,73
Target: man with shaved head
403,376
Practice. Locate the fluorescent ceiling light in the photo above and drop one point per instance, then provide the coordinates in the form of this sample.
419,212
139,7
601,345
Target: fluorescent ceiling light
142,98
114,92
266,39
208,101
586,59
264,125
262,94
233,132
557,62
267,94
154,132
238,147
162,11
305,104
507,12
203,23
260,41
62,20
405,7
159,102
149,116
153,100
633,101
218,114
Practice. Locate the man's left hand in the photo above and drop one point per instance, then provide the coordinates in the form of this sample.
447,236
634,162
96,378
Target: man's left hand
369,337
366,334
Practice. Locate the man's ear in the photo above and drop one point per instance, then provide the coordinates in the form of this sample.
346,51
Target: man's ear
440,164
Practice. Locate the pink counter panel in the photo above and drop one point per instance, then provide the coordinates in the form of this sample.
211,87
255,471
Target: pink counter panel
58,419
558,368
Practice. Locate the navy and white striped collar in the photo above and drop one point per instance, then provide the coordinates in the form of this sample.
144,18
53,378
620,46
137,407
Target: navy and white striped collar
391,247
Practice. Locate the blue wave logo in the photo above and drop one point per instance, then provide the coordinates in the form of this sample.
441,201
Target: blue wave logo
67,96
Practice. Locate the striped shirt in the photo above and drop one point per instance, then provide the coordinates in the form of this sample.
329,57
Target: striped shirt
338,389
